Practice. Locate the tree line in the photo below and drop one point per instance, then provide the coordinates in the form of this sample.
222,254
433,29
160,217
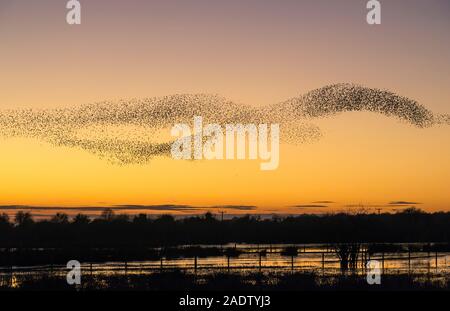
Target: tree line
124,231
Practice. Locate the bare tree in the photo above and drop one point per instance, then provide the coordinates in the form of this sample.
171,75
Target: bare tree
348,254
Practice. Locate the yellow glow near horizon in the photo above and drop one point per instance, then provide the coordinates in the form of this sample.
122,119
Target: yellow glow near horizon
257,53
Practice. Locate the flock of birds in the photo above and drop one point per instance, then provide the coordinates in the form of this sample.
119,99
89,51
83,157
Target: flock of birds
130,131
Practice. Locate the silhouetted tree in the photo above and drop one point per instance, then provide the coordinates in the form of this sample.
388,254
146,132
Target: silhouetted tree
23,219
348,254
140,219
4,219
60,218
107,214
120,231
81,219
412,211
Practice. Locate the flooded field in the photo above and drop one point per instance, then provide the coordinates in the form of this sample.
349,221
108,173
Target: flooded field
321,260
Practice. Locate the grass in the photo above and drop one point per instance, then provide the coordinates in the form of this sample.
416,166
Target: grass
177,280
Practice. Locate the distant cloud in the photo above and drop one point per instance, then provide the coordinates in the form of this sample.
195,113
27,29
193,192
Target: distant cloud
309,206
390,204
21,207
235,207
167,207
163,207
128,207
403,203
366,205
323,202
170,207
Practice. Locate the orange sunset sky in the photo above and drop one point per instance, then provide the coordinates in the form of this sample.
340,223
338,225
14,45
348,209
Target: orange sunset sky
252,52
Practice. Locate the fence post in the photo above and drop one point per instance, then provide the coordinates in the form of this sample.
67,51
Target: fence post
409,260
11,260
363,257
323,263
11,276
260,261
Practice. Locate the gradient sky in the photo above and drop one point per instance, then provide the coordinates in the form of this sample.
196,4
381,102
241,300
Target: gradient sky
255,52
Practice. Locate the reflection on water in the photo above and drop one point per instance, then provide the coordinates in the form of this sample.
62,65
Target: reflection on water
318,258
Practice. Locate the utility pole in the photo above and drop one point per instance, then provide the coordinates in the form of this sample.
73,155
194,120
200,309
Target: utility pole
221,213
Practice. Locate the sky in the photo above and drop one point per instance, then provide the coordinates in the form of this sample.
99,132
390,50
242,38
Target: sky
252,52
